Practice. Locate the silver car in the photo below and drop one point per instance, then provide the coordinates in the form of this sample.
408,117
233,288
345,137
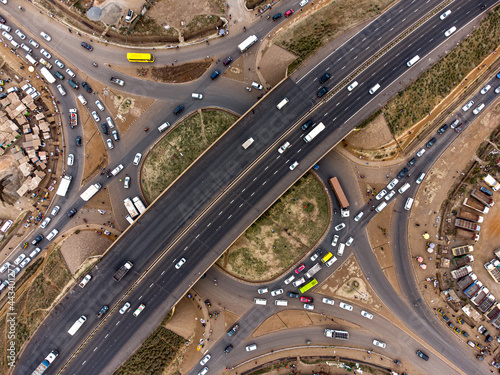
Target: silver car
125,308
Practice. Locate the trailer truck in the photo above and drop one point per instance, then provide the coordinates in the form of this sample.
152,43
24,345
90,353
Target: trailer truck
466,215
122,271
482,198
90,192
139,205
130,208
337,334
467,225
47,75
247,43
313,271
73,118
339,193
475,205
46,363
64,185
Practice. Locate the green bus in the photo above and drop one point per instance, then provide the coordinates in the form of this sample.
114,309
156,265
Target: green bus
308,286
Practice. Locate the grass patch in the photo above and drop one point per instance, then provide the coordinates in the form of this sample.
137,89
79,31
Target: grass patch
418,99
175,153
148,26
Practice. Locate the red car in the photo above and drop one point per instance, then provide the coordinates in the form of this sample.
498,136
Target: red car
300,268
288,13
306,300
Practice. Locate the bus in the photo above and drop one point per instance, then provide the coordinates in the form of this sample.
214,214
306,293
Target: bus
140,57
308,286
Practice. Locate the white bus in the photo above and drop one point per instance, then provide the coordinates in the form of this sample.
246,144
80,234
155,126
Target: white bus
47,75
31,59
247,43
313,133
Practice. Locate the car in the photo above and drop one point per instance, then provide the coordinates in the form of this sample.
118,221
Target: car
488,338
25,262
114,133
366,314
203,371
450,324
85,281
117,81
139,310
345,306
61,89
420,178
233,330
215,74
102,311
55,210
466,107
450,31
445,14
292,295
87,46
96,116
19,259
20,34
45,53
497,90
78,141
456,330
380,344
227,61
263,290
289,279
178,109
277,16
328,301
381,194
196,96
60,64
454,123
486,191
294,165
16,271
404,171
308,306
306,299
307,124
7,36
485,89
33,43
110,144
445,318
335,239
125,308
137,158
5,267
478,109
390,195
71,159
422,355
288,13
300,268
299,282
340,227
205,359
228,349
180,263
482,6
421,152
325,77
72,212
129,15
442,129
316,254
45,222
465,334
87,87
37,239
283,147
350,240
393,183
45,36
126,182
251,347
358,216
276,292
322,91
35,252
352,86
2,20
440,311
412,162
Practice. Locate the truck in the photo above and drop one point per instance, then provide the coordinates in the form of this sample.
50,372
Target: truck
73,118
482,198
463,260
461,272
466,281
64,185
130,208
466,215
247,143
247,43
339,193
475,205
462,250
493,269
468,235
46,363
313,271
313,133
467,225
47,75
122,271
139,205
76,326
491,182
90,192
337,334
472,289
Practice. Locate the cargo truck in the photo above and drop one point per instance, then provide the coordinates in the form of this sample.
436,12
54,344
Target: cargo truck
247,43
46,363
90,192
482,198
462,250
130,208
461,272
472,289
475,205
47,75
491,182
314,133
468,235
139,205
467,225
466,215
336,334
76,326
466,281
122,271
64,185
463,260
73,118
339,193
313,271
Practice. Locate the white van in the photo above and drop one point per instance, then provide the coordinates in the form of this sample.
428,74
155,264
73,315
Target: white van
281,302
5,27
26,48
61,90
352,86
403,188
381,206
331,261
110,122
31,59
408,204
196,96
129,219
247,143
14,43
250,348
163,126
256,85
340,250
413,61
52,234
82,99
260,301
374,89
283,103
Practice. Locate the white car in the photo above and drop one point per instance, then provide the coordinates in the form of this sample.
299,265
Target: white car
485,89
294,165
61,90
20,34
445,14
25,262
289,279
390,195
345,306
205,359
45,36
303,3
328,301
335,240
420,178
380,195
263,290
4,267
196,96
352,86
283,148
299,282
35,252
180,263
139,310
340,227
497,90
71,73
421,152
110,144
250,348
55,210
380,344
85,281
125,308
96,116
19,259
358,216
478,109
45,53
45,222
60,64
331,261
308,306
7,36
393,183
367,314
276,292
349,241
137,158
33,43
450,31
466,107
203,371
71,159
99,105
16,271
126,182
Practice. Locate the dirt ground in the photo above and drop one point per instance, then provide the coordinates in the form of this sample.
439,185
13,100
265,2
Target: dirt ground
273,64
375,135
176,73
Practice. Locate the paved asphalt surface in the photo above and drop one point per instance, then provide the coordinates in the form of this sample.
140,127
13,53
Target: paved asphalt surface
228,205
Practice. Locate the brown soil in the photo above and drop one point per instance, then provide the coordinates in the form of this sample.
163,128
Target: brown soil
375,135
273,64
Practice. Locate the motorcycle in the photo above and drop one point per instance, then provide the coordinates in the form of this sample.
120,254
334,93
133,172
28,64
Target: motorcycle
244,29
146,129
95,64
21,8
